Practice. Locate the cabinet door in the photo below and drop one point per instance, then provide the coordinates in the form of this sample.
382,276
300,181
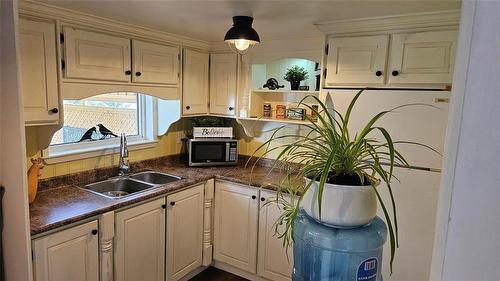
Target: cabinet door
37,45
273,262
71,254
423,58
184,232
195,83
154,63
356,60
96,56
223,69
140,242
235,229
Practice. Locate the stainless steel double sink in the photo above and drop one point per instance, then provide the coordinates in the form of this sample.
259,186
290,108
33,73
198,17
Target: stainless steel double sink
120,187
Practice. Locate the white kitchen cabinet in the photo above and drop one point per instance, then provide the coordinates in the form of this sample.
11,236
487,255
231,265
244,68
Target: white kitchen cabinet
235,226
96,56
195,82
273,262
37,46
140,242
70,254
223,75
154,63
357,60
184,232
424,57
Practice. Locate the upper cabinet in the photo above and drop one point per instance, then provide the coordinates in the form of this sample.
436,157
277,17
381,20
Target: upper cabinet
357,60
195,82
223,87
96,56
37,45
425,57
154,63
100,57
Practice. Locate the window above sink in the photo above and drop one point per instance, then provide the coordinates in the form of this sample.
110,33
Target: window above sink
91,125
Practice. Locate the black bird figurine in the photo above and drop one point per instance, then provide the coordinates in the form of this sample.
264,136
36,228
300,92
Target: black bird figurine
105,132
88,135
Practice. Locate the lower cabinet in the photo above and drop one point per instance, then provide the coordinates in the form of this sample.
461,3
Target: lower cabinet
244,232
71,254
235,225
140,242
272,262
184,232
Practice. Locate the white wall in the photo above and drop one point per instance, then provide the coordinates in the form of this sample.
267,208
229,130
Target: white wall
16,236
467,244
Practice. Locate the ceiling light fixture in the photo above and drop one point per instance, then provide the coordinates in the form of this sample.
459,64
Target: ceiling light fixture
241,36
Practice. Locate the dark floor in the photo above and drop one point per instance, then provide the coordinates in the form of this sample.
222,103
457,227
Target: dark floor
215,274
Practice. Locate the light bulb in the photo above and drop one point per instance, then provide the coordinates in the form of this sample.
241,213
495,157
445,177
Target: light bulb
242,44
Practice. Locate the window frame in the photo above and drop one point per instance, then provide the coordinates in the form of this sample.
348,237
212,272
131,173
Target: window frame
147,112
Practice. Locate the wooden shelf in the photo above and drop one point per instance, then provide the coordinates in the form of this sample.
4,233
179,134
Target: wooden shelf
288,121
286,92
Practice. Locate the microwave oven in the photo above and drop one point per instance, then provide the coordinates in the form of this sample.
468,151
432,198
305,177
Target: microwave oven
212,152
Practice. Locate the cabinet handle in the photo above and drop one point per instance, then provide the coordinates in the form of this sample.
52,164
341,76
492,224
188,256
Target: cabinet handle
262,199
138,73
231,108
378,73
188,107
94,232
254,197
172,203
54,110
128,72
164,206
395,73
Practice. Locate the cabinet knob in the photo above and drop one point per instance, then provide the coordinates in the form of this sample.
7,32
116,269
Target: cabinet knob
254,197
138,73
378,73
54,110
128,72
164,206
262,199
231,108
395,73
188,107
172,203
94,231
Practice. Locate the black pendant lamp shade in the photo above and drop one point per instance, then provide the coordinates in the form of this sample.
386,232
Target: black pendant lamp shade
241,35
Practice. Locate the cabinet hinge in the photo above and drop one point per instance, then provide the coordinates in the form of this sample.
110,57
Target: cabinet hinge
324,73
179,56
63,64
209,62
61,37
32,255
326,49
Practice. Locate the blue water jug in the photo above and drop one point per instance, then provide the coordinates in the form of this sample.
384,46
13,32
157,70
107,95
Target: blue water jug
324,253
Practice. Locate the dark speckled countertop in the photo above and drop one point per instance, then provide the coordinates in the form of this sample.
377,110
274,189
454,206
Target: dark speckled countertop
60,200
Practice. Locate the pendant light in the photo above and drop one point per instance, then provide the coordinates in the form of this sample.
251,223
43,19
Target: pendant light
241,36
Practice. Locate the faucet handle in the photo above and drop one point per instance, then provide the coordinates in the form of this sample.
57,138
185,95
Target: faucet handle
123,146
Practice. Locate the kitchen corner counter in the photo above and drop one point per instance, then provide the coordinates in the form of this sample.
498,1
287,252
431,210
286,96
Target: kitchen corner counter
61,200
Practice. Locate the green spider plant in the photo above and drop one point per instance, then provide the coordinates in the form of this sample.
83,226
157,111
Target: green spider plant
328,152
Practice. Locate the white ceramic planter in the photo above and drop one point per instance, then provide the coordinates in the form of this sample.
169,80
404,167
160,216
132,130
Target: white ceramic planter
343,206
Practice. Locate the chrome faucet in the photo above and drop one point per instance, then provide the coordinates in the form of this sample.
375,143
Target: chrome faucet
124,163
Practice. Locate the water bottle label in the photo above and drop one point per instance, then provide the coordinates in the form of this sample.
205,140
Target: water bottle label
367,270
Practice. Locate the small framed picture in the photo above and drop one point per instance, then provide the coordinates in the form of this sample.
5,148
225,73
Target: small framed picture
296,113
280,111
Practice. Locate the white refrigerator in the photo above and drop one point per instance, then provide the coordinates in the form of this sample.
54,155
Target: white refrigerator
417,192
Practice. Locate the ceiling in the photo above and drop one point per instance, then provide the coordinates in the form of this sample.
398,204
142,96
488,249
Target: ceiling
274,19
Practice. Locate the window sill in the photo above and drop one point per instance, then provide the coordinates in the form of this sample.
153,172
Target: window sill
95,151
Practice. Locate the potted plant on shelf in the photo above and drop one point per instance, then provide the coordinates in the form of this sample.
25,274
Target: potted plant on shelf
294,75
342,171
